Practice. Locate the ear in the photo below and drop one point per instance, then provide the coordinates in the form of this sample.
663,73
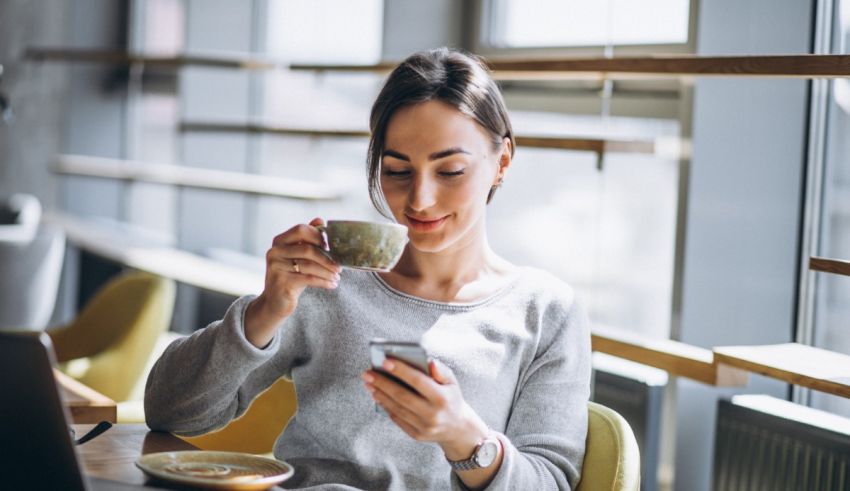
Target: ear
504,160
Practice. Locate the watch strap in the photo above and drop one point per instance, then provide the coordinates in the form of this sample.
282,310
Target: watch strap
465,465
472,462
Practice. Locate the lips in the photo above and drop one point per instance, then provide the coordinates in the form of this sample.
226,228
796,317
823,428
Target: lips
424,224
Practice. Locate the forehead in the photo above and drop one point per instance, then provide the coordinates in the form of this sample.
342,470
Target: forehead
433,126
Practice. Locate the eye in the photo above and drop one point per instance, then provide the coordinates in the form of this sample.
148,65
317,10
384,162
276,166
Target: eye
452,173
396,173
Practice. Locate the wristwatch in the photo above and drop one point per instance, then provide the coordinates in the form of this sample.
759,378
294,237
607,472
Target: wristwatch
484,455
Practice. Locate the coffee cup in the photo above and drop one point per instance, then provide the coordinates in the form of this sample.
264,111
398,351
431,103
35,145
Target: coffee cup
364,245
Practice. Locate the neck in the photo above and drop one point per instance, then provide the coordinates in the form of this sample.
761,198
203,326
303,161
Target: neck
463,262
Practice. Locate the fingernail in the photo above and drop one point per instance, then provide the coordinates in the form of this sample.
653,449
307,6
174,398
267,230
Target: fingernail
389,365
370,388
336,278
368,378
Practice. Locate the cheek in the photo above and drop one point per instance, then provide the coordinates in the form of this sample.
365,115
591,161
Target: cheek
393,191
395,195
470,196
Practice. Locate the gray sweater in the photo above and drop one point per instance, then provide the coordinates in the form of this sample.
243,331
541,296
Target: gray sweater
521,356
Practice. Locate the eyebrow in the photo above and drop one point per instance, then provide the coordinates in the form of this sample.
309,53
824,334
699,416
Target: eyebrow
434,156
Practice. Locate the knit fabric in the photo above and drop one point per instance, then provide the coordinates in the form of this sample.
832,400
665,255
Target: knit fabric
521,357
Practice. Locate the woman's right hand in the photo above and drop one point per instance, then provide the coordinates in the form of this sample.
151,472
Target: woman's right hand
293,263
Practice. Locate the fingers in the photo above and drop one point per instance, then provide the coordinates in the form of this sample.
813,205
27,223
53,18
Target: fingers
419,381
295,262
309,259
441,373
394,390
283,275
405,426
301,233
395,407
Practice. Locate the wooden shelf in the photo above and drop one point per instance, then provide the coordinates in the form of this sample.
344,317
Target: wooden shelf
167,262
85,404
677,359
834,266
794,363
599,146
794,66
194,177
210,127
215,60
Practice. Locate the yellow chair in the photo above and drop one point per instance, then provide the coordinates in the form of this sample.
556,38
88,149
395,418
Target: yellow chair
112,338
258,428
612,458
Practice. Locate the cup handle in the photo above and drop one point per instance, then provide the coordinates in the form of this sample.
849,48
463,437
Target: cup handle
325,249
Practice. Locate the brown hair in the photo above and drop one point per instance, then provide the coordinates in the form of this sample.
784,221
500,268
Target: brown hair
456,78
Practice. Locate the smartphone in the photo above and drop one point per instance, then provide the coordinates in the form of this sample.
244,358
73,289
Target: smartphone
411,353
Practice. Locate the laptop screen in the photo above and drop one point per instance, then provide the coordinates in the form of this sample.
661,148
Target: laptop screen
36,447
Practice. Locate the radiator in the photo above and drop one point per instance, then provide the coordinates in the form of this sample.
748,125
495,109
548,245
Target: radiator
636,392
764,443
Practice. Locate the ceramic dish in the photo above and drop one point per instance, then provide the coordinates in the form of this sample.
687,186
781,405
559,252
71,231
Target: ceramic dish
215,470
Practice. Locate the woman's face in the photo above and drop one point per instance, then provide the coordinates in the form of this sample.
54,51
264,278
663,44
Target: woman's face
438,166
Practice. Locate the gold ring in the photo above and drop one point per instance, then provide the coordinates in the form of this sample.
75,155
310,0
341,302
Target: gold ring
295,267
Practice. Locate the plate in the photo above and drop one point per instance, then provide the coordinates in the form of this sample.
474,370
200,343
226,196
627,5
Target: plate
215,470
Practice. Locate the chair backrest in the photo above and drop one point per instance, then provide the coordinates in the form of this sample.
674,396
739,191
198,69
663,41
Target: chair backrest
258,428
117,330
30,278
612,458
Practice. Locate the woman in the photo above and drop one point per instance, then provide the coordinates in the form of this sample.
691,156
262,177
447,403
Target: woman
505,405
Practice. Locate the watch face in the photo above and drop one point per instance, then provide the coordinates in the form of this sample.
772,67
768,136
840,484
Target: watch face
486,453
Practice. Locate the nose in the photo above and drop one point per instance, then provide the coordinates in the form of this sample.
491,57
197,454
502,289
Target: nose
422,194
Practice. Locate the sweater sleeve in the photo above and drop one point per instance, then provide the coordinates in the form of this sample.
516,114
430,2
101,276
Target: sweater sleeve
544,441
203,381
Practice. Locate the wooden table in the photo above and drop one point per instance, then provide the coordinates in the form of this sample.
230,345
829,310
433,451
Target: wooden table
677,359
113,454
85,404
794,363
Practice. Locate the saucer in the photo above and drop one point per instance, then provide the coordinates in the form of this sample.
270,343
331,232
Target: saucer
215,470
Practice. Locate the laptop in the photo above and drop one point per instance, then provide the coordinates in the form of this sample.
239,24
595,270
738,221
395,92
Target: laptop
36,447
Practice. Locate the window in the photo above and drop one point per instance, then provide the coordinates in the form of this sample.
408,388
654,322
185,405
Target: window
325,31
550,23
832,310
298,31
611,233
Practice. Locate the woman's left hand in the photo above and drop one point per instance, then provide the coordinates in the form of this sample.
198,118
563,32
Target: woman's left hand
437,413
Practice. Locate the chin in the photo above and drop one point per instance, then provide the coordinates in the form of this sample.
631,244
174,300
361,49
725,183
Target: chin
430,243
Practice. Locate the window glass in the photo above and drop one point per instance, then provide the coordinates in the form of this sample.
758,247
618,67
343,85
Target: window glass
539,23
163,27
154,113
325,31
609,233
298,31
832,309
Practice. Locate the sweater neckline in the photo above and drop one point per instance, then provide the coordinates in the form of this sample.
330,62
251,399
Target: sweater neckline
458,306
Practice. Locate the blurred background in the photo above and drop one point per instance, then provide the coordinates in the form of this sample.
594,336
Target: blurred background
693,220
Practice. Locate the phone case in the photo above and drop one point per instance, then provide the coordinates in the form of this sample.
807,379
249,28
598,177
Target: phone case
411,353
